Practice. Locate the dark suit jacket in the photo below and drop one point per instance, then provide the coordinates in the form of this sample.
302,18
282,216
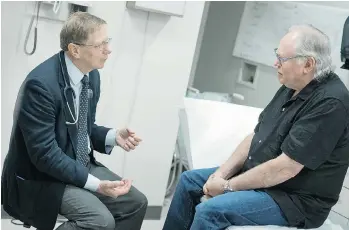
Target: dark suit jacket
41,157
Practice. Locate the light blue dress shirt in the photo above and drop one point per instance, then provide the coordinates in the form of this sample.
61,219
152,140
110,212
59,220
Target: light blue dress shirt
76,76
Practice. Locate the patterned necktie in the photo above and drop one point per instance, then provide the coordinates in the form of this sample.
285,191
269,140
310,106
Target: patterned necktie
82,149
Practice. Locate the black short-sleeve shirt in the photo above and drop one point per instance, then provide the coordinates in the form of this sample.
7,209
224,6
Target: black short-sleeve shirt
312,128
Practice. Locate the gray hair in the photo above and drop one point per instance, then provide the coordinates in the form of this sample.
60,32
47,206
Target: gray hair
78,27
311,42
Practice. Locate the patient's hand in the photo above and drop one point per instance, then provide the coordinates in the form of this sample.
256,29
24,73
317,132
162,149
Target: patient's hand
217,174
214,186
205,198
204,188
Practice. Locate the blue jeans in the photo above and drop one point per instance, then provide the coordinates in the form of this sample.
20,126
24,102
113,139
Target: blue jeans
233,208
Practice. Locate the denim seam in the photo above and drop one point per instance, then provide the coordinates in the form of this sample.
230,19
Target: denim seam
190,212
242,214
269,207
203,216
186,225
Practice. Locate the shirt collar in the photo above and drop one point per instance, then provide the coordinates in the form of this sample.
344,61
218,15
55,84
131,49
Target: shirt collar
74,73
308,89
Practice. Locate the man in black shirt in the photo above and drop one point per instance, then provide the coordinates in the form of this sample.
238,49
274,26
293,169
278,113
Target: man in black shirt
290,171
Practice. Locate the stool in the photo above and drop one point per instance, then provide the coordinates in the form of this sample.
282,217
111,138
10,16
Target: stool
328,225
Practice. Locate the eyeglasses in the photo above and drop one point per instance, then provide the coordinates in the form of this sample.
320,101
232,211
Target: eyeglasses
100,46
284,59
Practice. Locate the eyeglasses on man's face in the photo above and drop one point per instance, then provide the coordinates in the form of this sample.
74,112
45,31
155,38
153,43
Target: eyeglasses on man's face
284,59
101,46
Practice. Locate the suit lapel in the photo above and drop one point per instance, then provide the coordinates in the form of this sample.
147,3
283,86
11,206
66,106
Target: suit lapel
68,99
72,128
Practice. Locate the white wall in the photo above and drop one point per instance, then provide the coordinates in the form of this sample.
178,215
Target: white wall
217,70
215,66
143,81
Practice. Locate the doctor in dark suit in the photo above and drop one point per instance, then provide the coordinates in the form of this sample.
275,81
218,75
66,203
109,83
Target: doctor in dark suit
50,167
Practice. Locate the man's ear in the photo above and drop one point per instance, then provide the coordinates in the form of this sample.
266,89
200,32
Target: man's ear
309,65
74,50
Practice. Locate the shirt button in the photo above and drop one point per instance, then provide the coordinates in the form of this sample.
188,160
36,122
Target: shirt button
283,109
260,141
249,157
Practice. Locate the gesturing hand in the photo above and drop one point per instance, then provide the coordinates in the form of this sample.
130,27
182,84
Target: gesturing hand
114,188
127,139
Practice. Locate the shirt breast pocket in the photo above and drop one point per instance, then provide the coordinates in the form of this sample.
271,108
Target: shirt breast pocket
283,130
273,149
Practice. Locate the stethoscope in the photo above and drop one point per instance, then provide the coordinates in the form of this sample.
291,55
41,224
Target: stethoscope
67,88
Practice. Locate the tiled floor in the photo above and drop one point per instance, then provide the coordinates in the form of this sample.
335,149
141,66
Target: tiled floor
147,224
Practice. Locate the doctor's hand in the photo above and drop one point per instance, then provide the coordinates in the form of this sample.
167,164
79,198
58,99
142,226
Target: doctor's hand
114,188
127,139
